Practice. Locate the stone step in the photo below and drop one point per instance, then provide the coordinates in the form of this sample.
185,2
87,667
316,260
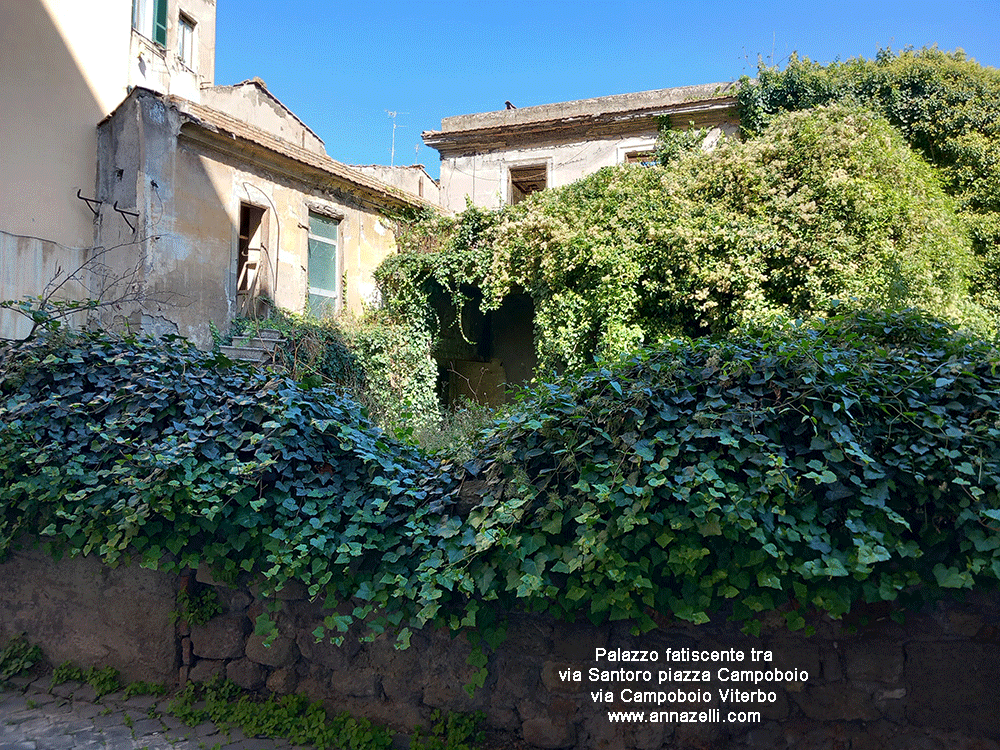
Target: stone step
246,353
259,341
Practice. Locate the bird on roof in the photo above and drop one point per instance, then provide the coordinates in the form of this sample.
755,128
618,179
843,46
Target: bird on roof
510,106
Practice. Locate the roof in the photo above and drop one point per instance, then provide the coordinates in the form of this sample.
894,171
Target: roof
220,122
584,117
259,84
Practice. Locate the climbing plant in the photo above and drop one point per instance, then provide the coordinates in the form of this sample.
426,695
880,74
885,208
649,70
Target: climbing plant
797,469
826,207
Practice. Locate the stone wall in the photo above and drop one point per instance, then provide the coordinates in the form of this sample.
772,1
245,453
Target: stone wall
868,682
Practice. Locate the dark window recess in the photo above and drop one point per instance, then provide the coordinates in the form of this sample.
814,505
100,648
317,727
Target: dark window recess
526,180
641,158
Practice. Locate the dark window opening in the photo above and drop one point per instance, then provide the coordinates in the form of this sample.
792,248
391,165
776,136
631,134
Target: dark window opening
527,180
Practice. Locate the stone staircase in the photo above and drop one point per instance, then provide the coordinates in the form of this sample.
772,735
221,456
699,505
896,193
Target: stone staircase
259,348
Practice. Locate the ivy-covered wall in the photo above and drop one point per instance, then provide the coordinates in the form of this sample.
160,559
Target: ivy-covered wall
926,682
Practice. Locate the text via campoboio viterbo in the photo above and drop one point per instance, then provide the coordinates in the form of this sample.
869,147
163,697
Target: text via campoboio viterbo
680,685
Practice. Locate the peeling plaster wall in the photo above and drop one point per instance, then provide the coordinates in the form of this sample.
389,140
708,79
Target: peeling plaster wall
484,176
160,69
188,193
413,179
250,103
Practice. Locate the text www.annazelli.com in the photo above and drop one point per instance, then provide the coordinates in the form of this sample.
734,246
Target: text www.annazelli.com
700,717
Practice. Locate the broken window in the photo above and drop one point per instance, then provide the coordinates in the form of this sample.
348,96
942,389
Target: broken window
149,18
251,250
324,265
527,180
641,158
185,41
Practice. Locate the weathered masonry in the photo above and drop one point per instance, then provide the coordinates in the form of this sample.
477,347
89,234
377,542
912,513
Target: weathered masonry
498,158
929,682
234,204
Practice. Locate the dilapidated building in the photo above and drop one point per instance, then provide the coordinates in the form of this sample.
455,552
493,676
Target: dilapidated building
497,158
236,207
189,203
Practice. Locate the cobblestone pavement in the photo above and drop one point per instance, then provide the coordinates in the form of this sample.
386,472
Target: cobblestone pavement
70,717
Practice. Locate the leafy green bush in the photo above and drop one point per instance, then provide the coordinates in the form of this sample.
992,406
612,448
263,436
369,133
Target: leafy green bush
827,206
292,717
805,470
18,656
945,105
382,362
152,448
802,469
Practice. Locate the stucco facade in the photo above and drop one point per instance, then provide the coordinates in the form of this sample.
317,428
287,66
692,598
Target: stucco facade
64,66
194,175
495,158
198,201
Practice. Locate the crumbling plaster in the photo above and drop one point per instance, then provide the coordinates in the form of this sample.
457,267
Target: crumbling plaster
187,180
570,139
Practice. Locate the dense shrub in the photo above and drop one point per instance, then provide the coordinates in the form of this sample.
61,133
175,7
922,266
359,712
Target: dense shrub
945,105
802,469
120,447
826,205
383,361
806,469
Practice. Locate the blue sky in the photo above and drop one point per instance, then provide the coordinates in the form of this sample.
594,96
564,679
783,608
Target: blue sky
343,66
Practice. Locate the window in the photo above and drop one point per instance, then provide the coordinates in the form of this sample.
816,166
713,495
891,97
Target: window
149,18
527,180
641,158
324,265
185,41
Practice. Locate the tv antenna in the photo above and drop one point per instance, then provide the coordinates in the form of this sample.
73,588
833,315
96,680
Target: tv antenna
392,153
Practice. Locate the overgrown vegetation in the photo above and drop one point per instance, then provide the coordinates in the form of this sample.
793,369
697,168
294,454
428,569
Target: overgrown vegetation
18,656
104,681
381,360
945,105
819,209
292,717
198,608
807,468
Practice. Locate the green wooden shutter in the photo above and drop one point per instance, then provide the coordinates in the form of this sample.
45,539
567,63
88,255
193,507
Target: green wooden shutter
160,23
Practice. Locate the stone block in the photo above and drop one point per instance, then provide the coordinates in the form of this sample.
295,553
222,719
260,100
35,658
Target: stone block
572,642
222,637
952,685
836,702
282,681
77,609
280,653
872,660
206,669
247,674
546,733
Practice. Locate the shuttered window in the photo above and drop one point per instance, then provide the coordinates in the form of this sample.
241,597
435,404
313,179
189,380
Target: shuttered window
149,18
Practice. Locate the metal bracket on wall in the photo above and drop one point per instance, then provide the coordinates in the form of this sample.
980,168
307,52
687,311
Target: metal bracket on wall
90,202
125,214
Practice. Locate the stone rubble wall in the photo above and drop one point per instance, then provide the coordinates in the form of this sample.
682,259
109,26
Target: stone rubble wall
931,682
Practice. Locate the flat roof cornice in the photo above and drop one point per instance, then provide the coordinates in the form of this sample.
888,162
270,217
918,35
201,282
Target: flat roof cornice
621,113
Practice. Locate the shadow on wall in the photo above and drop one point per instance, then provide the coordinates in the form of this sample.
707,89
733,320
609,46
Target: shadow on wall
48,143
